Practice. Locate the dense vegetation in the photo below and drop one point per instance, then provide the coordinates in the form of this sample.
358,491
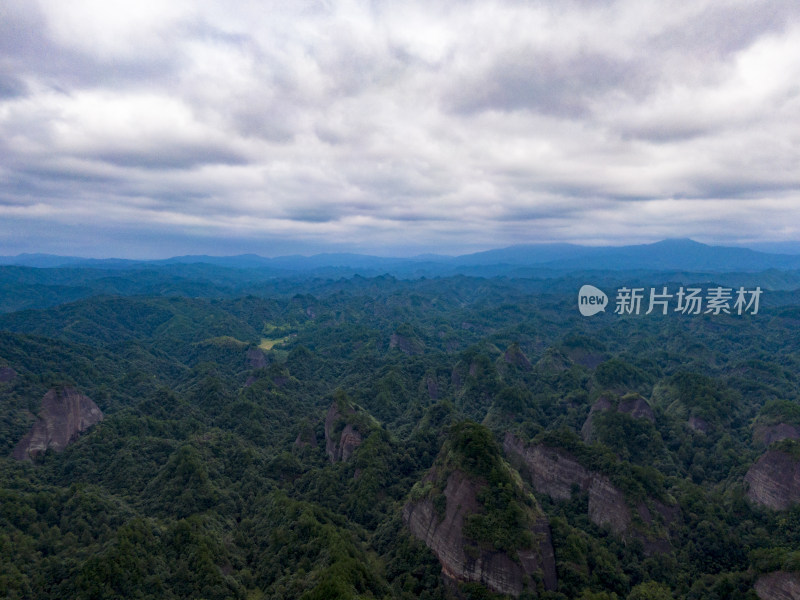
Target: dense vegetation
209,476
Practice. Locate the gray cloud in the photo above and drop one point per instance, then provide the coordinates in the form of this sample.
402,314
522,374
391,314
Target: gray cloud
12,87
426,126
548,83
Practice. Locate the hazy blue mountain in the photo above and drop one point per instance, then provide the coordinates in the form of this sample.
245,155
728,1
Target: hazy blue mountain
545,259
776,247
678,254
39,260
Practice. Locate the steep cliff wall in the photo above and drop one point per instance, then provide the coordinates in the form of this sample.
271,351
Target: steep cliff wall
65,413
341,437
454,510
631,404
553,471
774,480
465,561
766,435
778,586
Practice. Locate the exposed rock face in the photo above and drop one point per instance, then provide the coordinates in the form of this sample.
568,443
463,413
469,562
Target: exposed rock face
774,480
554,472
64,415
766,435
637,407
778,586
603,404
7,374
495,570
405,344
432,386
340,444
607,506
256,358
633,405
553,362
699,425
306,437
456,379
515,356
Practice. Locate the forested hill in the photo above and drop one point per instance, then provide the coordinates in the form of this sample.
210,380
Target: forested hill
41,280
381,437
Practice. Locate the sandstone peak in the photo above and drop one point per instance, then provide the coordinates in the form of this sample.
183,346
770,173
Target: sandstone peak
774,479
766,435
7,374
449,509
556,472
64,414
343,434
778,585
515,356
630,404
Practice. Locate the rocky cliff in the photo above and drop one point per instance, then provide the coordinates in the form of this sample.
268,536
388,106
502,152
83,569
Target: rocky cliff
515,356
342,436
256,359
553,471
778,586
7,374
306,437
443,511
630,404
774,480
407,344
766,435
64,414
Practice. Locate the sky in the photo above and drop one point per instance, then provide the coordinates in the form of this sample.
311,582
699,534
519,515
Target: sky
150,129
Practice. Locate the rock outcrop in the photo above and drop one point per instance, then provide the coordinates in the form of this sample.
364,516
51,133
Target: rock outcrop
432,387
631,404
515,356
774,480
766,435
460,561
637,407
341,436
306,438
7,374
698,425
456,378
779,585
555,472
64,415
256,358
408,345
552,471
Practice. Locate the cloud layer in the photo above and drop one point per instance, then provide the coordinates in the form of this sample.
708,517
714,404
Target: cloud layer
151,128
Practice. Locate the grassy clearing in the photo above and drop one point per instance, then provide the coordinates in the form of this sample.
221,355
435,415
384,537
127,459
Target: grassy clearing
270,343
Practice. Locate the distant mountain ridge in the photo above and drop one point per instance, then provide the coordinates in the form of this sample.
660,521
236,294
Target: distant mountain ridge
670,254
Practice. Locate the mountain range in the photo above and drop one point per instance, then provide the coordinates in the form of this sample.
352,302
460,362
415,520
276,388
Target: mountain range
671,254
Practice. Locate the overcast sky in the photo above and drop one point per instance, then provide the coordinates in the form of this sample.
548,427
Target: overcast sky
152,128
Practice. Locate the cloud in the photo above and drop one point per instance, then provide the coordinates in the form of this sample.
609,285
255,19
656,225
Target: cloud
418,126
